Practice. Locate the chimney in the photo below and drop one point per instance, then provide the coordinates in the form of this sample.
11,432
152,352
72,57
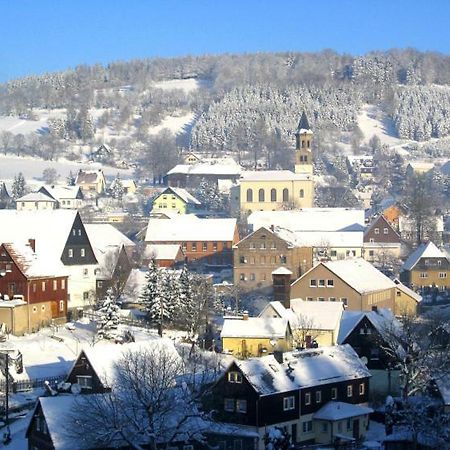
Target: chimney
375,308
281,279
278,355
32,244
272,227
245,315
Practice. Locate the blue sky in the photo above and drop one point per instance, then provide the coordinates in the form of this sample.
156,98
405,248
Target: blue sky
46,35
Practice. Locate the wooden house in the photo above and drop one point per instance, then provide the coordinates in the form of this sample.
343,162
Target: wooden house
288,389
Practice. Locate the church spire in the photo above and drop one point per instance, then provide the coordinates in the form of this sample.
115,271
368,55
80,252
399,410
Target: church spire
303,125
303,147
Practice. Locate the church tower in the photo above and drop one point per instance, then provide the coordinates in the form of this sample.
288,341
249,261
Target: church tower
303,147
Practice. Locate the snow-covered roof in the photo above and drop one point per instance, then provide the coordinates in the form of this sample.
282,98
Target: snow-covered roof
162,251
421,165
33,265
104,357
59,192
202,168
35,197
49,228
183,194
88,176
382,320
428,250
254,327
282,271
273,175
314,315
188,227
103,235
405,289
310,219
334,411
303,369
360,275
343,239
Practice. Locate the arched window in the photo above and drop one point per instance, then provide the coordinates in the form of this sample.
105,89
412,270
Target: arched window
249,195
285,195
273,195
302,193
261,195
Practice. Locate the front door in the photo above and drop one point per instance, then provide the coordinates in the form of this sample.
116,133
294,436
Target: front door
356,428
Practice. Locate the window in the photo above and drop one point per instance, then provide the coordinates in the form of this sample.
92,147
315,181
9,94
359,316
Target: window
332,299
273,195
376,231
283,259
288,403
184,246
324,427
321,299
333,393
85,272
55,285
312,283
344,301
43,308
204,246
423,275
79,231
362,389
442,274
350,391
85,295
8,267
262,246
262,260
371,240
252,277
321,283
308,398
261,195
215,246
229,405
374,354
34,309
302,193
285,195
234,377
34,287
242,260
85,381
63,284
74,232
99,284
61,305
385,231
242,277
43,286
307,426
330,283
273,246
252,246
333,253
349,424
70,253
82,252
318,396
309,299
194,246
241,406
249,195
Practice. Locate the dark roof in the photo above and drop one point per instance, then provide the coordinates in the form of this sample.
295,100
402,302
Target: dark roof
303,124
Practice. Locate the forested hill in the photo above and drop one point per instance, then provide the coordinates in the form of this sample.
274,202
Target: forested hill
223,103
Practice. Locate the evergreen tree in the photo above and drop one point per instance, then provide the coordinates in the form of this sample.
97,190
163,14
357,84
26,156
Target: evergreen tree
117,189
18,187
108,316
71,179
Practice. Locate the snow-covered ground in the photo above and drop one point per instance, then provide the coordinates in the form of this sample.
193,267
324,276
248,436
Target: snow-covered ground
17,125
175,124
33,167
187,85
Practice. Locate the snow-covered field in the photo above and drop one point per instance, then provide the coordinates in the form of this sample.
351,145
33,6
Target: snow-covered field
33,168
175,124
187,85
17,125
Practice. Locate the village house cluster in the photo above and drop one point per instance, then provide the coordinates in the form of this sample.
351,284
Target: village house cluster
317,290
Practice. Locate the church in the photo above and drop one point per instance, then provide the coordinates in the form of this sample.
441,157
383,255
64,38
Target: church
271,190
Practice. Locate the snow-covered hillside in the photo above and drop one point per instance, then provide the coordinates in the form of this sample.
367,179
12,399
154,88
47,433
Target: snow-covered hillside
186,85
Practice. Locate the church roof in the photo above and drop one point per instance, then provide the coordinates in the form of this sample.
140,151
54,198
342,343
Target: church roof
303,125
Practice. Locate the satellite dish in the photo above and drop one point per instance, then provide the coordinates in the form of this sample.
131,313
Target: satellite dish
364,360
75,388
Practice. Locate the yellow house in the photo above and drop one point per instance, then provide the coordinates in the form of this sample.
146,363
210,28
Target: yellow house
312,323
176,200
272,190
245,336
91,181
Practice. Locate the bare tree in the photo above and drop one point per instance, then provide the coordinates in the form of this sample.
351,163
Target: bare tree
147,405
305,332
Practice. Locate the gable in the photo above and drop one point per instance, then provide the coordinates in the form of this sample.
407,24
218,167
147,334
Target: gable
260,235
76,241
381,231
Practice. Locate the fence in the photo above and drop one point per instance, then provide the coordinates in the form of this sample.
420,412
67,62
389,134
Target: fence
27,385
